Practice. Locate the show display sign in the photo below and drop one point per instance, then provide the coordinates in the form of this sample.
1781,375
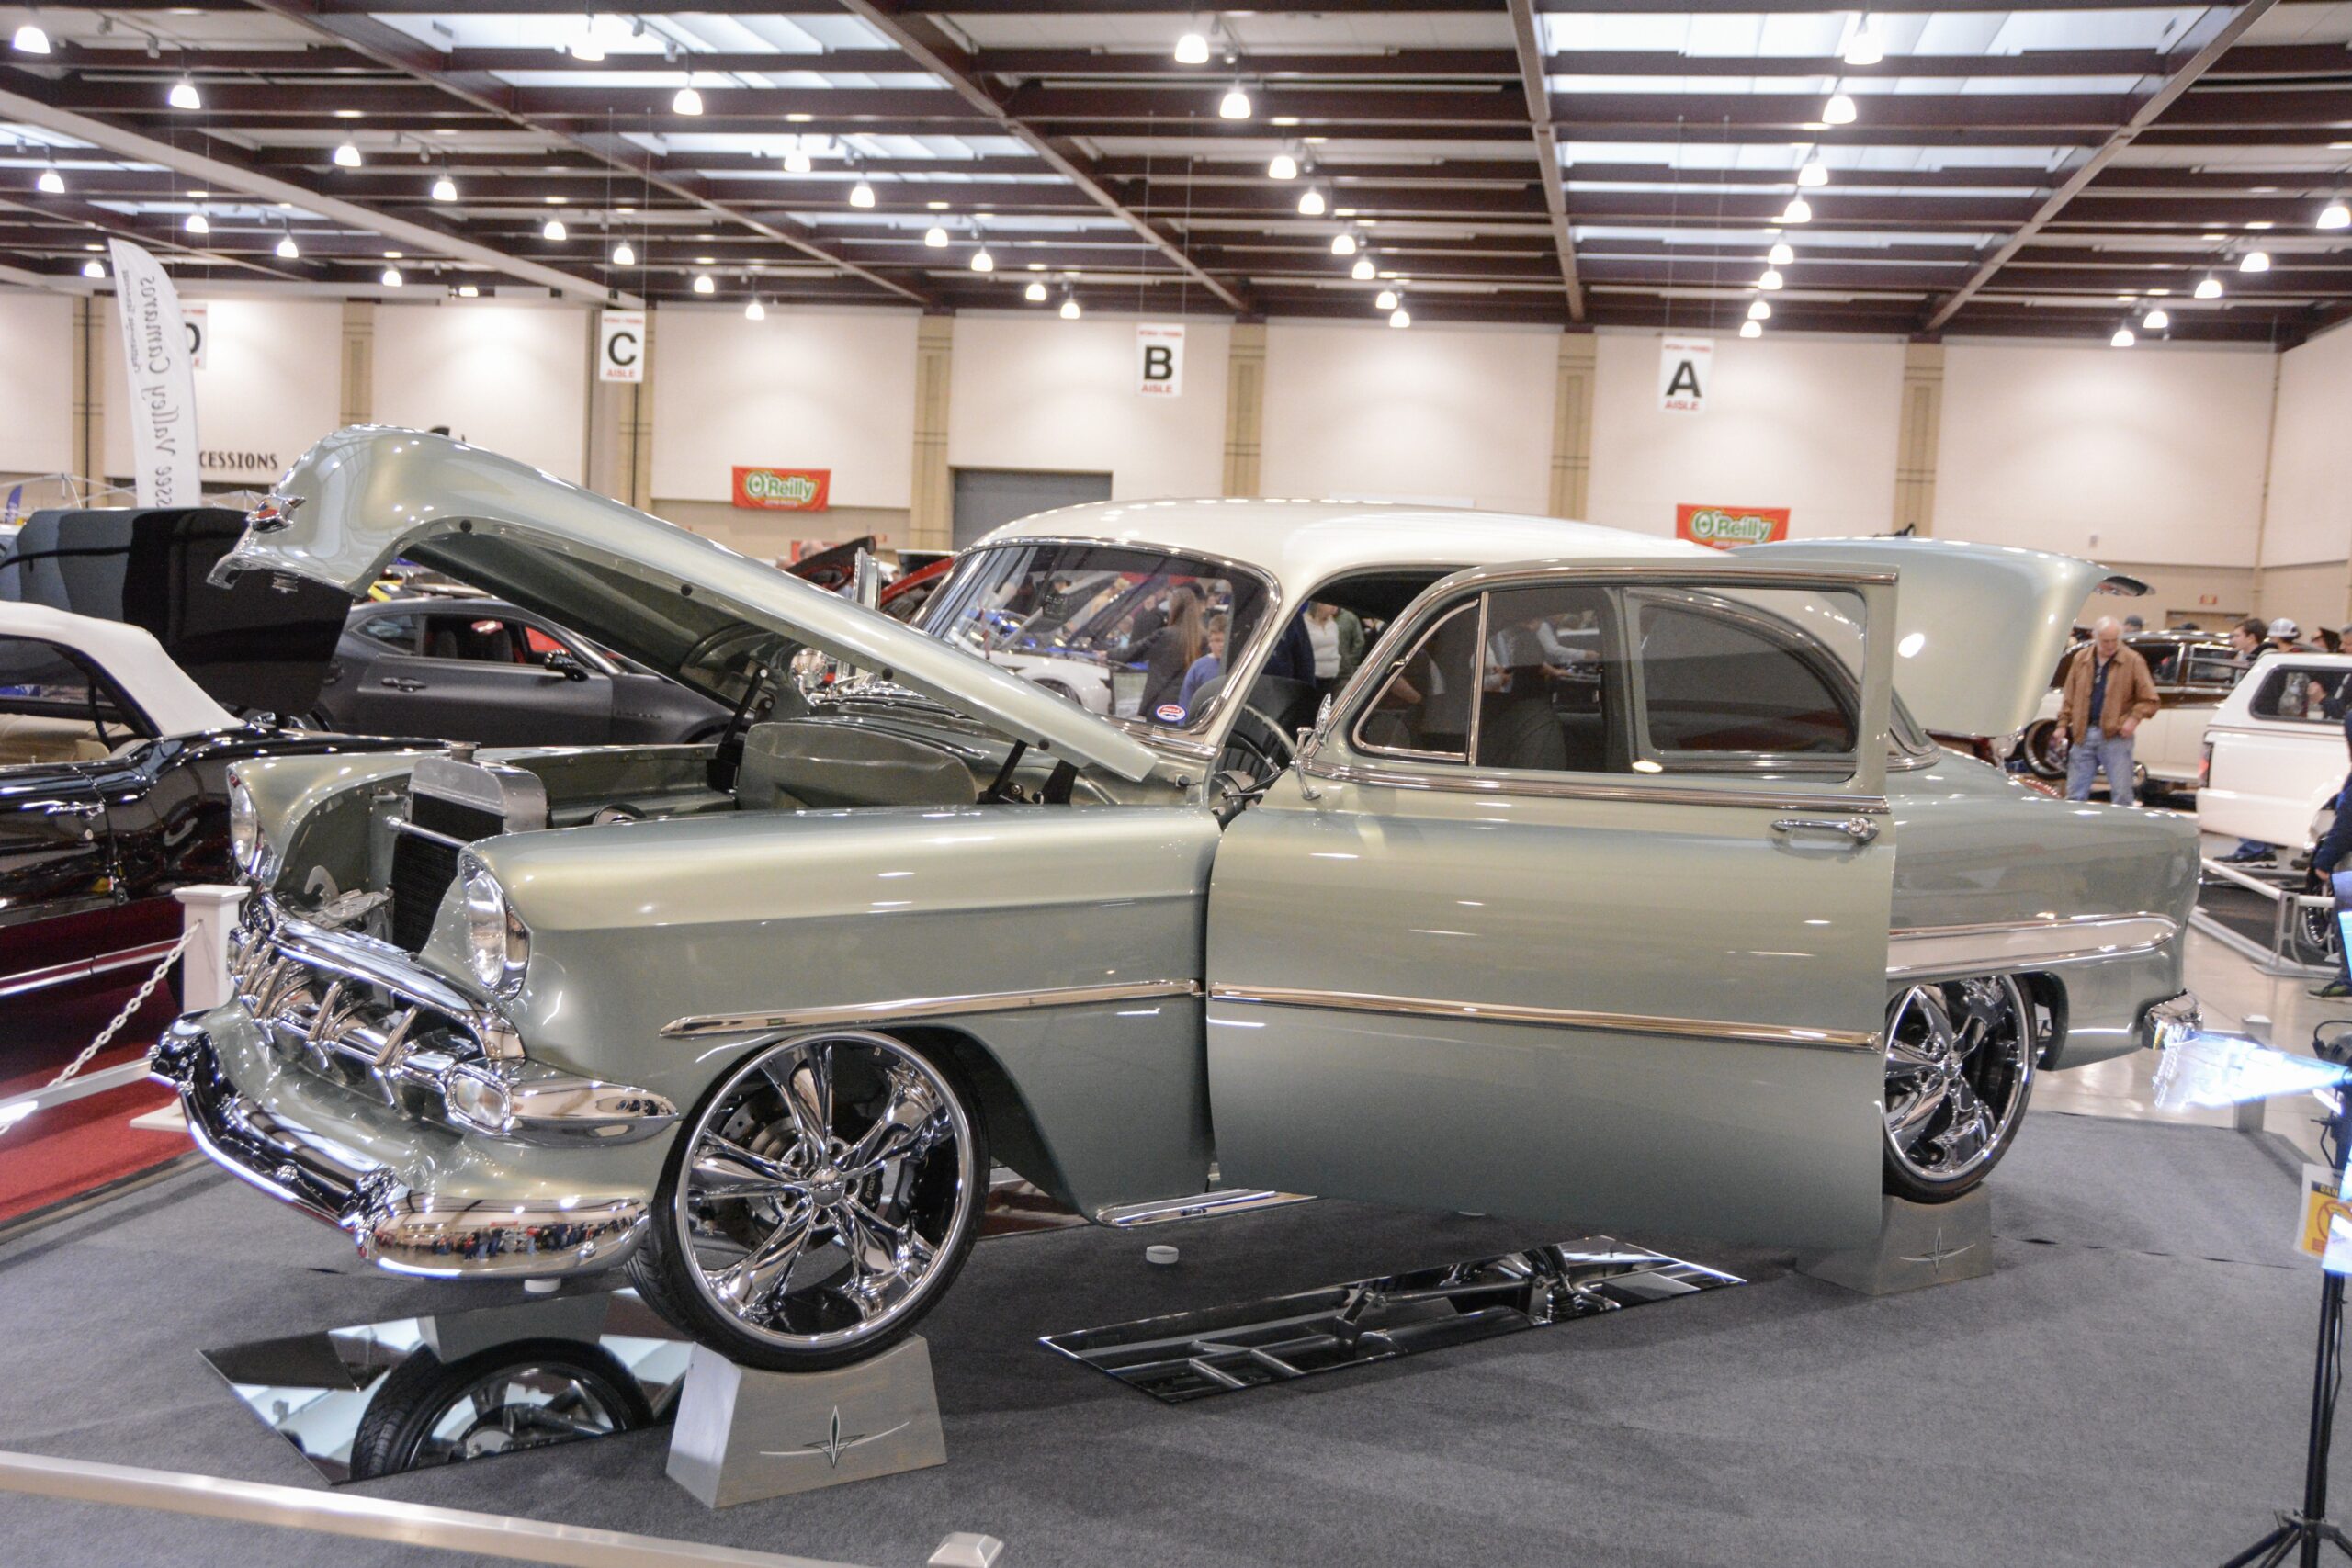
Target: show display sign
1685,365
155,348
1724,526
620,348
198,317
783,490
1159,360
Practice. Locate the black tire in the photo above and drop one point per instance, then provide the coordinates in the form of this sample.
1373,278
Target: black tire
2035,744
2010,1085
670,1280
416,1395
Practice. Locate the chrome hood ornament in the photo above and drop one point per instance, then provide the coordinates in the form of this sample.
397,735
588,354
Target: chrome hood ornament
275,513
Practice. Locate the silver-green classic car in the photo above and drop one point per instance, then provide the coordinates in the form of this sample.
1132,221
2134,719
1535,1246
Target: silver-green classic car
1615,885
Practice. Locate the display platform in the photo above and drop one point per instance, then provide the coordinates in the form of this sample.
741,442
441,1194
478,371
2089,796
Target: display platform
2112,1395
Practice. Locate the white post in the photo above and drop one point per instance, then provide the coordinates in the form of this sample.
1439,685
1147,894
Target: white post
210,912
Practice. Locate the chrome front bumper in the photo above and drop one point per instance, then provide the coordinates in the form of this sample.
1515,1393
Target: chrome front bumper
396,1226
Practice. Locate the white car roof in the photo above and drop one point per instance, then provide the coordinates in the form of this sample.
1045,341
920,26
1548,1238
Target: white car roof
132,659
1302,543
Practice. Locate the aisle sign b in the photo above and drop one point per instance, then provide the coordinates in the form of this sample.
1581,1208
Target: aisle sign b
620,346
1159,360
1684,368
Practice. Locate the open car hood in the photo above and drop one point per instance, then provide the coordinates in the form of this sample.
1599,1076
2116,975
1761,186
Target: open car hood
677,601
1978,627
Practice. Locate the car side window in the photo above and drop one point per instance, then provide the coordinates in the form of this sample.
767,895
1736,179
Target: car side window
1423,709
2309,697
1744,681
2212,671
1551,694
395,632
46,692
2164,661
476,640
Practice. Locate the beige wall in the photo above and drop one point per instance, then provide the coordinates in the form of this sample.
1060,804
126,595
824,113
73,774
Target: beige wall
2316,593
2310,513
36,397
509,376
2179,593
769,536
271,385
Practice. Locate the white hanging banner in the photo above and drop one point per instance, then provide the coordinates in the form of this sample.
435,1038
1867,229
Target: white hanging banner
620,346
198,317
162,383
1684,368
1159,360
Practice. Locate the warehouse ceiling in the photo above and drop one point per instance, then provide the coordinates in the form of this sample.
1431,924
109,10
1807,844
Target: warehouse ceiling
1925,169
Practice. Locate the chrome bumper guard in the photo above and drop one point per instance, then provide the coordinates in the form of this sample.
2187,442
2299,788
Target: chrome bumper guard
396,1227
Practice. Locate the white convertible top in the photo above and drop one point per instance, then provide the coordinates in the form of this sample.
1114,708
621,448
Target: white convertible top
1305,543
132,659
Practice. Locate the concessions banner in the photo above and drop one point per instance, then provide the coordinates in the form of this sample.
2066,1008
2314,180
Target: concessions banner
784,489
1724,526
162,382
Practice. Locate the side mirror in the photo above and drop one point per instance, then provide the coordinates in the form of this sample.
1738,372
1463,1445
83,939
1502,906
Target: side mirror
1308,733
563,664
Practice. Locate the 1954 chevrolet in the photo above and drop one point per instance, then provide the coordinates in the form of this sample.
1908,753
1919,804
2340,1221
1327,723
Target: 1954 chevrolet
1618,886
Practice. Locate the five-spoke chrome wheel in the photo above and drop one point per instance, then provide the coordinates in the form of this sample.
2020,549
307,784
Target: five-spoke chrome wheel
1960,1059
819,1201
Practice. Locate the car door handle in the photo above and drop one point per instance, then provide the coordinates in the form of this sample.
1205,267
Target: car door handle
399,685
1861,829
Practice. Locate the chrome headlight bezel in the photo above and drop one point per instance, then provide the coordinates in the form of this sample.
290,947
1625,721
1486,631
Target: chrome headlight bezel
249,847
498,944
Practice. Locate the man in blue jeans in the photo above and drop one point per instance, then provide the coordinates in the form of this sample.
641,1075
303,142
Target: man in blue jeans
2108,693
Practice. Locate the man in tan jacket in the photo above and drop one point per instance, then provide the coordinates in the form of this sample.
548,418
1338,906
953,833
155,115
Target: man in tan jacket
2107,694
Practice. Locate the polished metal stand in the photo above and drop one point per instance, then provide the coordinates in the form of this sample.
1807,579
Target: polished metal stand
1918,1245
744,1436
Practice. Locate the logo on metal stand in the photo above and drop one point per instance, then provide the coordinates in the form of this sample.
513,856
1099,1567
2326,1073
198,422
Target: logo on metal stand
832,1444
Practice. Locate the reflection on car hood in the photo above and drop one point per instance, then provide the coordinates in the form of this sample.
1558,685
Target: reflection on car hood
1978,627
663,596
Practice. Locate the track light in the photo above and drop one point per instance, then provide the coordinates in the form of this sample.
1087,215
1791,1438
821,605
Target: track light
1839,110
1864,48
1286,167
31,40
797,162
468,291
184,96
554,229
1758,310
1193,49
94,267
704,283
1799,210
1235,104
1812,173
982,261
1362,272
2156,319
197,223
445,189
861,195
1781,255
1311,203
935,237
286,249
2207,289
624,254
391,278
755,311
1401,317
50,182
1343,244
2122,338
1384,301
2335,215
2254,261
1070,311
1035,293
347,156
1752,328
1770,280
687,102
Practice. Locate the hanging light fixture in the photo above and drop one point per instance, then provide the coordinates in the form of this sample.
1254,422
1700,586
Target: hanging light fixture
1781,255
688,101
94,267
1839,110
554,229
1343,244
468,291
796,160
2254,261
587,47
31,40
2156,319
624,254
286,249
1401,317
1799,210
50,182
391,278
184,96
1311,203
755,311
1752,328
197,223
445,189
981,260
1282,167
1760,310
1865,47
705,284
1812,173
1364,271
1235,104
1384,301
935,237
1193,49
1770,280
347,156
2207,289
1070,311
2335,215
1035,293
861,193
2122,338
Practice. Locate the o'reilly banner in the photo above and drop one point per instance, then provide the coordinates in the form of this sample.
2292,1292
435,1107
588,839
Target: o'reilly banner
1724,526
162,382
784,489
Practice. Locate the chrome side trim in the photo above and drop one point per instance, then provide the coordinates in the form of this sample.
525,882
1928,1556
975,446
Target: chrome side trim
1200,1206
1555,787
82,968
1998,946
907,1007
1558,1018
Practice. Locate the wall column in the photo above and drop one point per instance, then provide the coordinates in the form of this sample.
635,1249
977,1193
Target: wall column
1574,376
1245,407
358,361
931,513
1918,436
88,455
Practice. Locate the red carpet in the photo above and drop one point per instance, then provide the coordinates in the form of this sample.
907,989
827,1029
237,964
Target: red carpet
68,1150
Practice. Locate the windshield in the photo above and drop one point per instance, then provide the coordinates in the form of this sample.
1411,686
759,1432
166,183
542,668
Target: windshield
1131,634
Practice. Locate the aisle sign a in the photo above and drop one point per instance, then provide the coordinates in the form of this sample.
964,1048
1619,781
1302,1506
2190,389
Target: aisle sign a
1724,526
620,346
784,489
1684,368
1159,360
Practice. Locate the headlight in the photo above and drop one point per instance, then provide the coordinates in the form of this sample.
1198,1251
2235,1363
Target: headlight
477,1099
498,945
245,845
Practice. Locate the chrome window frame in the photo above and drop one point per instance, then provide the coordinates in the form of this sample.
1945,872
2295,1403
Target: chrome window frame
1739,762
1395,668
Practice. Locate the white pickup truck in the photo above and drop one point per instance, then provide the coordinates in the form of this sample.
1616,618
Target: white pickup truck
2274,751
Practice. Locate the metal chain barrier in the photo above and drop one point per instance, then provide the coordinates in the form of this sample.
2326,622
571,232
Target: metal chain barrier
114,1027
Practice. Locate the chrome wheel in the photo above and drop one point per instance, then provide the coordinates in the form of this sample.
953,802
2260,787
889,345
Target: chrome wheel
516,1408
1960,1059
827,1191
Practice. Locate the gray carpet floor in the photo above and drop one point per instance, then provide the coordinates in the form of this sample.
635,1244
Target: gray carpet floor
2127,1388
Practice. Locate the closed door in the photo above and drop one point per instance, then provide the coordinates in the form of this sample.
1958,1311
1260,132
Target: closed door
989,498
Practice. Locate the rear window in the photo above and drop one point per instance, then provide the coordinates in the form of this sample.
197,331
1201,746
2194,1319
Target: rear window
2301,694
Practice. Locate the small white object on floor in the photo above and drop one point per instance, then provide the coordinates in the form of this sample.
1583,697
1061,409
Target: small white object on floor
541,1287
1160,1253
965,1550
169,1119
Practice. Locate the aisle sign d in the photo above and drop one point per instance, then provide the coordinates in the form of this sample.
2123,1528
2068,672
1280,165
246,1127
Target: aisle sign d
620,346
1684,368
1159,360
198,319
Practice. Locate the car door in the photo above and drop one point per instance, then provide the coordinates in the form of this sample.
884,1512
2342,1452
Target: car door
475,676
1576,910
